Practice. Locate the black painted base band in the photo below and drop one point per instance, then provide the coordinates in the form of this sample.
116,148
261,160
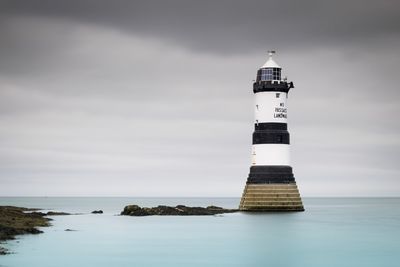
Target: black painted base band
270,174
274,126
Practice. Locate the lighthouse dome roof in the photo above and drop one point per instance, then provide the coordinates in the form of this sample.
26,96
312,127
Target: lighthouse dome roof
270,62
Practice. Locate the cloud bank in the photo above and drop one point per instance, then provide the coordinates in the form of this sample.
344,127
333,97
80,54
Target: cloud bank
148,98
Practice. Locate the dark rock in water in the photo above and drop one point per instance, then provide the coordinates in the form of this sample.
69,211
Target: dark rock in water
134,210
56,213
69,230
180,210
214,208
38,213
3,251
97,212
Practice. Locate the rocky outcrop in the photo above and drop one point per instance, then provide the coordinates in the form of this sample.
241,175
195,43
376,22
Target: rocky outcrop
97,212
50,213
19,221
57,213
180,210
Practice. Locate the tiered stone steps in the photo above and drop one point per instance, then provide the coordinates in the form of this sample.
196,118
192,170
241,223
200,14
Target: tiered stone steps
271,197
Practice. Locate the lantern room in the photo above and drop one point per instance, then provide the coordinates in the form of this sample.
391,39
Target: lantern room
270,71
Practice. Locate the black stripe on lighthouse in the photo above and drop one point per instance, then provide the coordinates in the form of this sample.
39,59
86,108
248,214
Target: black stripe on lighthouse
271,133
271,137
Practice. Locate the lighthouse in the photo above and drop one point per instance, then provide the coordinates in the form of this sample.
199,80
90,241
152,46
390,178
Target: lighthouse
271,185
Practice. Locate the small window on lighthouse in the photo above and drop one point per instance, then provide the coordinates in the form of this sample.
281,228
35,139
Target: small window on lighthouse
277,95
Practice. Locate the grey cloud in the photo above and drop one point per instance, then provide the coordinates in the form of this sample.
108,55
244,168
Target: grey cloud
231,26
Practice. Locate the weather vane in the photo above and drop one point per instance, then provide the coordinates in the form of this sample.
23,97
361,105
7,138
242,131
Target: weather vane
271,52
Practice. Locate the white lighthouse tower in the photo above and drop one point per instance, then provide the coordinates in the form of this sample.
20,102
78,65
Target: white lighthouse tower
271,185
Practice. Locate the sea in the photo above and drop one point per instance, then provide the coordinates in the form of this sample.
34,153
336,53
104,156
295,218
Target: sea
337,232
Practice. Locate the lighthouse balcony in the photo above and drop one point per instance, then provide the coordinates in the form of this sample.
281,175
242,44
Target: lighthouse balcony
272,86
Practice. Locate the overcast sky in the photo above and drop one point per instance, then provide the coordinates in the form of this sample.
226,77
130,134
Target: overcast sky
154,98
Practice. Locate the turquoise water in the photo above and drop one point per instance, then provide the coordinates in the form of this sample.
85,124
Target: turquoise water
331,232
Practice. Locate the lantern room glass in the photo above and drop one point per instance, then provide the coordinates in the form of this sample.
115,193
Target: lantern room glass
269,74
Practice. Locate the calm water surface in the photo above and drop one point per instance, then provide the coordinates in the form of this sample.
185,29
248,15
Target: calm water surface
331,232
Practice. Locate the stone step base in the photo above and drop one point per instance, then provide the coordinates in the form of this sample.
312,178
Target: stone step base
278,198
272,194
264,192
274,209
271,197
